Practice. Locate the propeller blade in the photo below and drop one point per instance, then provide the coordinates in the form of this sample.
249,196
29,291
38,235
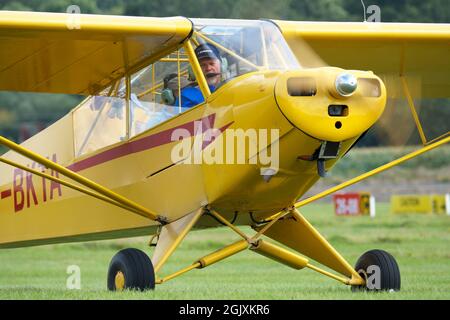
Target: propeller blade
308,58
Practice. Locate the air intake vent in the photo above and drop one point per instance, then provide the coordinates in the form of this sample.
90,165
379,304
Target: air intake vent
302,87
337,110
369,87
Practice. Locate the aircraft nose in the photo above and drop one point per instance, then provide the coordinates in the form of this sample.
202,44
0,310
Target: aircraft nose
330,104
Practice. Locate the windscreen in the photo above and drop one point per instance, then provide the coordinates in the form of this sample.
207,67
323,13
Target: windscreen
246,45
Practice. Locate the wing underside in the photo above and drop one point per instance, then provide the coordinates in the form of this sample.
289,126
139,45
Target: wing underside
79,54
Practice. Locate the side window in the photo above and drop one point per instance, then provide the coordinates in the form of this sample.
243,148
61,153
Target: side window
154,97
155,92
100,120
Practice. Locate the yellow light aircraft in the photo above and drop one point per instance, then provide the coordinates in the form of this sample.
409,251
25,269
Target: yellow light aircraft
116,165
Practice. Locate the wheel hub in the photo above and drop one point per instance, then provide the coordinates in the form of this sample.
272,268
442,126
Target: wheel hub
119,281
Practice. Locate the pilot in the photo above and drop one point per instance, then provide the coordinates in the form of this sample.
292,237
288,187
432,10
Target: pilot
211,64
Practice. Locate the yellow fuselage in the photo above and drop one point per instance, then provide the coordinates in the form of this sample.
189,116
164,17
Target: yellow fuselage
35,211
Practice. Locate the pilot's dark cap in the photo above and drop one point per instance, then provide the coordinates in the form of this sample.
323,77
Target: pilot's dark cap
207,50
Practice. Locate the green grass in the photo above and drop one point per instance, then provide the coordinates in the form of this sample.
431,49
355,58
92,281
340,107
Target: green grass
420,243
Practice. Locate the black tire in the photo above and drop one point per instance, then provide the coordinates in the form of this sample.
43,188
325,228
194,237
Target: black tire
135,267
378,260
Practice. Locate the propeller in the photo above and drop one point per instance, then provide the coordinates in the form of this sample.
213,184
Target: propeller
397,126
307,56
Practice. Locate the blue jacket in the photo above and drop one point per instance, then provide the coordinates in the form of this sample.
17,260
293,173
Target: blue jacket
192,96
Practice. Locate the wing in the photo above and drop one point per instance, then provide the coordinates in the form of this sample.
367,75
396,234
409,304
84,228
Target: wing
80,53
388,49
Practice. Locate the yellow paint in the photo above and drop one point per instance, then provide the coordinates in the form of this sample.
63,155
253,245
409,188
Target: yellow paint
67,184
209,259
439,205
228,224
294,177
445,135
313,119
349,281
241,188
179,273
413,110
374,172
415,203
365,46
297,233
223,253
119,281
364,203
170,237
146,179
280,254
44,55
79,178
197,70
66,216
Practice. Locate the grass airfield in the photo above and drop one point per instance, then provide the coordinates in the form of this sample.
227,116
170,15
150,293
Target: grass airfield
420,243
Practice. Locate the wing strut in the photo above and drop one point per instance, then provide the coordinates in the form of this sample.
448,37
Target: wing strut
350,182
275,252
104,193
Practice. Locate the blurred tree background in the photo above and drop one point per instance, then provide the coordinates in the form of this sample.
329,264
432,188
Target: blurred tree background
23,114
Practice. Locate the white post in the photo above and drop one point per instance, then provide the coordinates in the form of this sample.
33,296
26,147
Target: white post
372,206
447,203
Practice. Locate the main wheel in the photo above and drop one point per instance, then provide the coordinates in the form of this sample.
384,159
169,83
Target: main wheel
380,270
131,269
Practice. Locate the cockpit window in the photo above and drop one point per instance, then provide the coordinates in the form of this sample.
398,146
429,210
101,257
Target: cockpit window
168,87
100,120
246,45
156,90
154,96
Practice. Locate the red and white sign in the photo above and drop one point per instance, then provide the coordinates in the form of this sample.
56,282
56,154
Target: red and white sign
347,204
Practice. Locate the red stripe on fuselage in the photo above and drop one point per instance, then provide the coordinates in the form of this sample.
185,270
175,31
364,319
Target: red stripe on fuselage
5,194
152,141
